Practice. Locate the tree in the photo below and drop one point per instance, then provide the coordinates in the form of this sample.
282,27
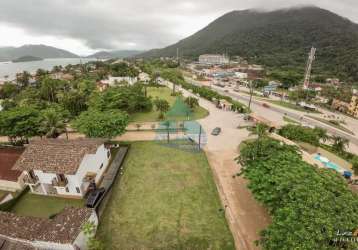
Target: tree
162,106
103,124
8,90
23,79
20,123
339,144
89,230
355,164
53,124
192,102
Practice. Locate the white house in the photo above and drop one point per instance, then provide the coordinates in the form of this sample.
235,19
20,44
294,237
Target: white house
63,167
112,80
63,232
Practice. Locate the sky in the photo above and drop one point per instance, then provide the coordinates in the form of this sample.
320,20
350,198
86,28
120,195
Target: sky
87,26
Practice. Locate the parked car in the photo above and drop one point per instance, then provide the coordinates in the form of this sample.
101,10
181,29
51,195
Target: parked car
216,131
94,196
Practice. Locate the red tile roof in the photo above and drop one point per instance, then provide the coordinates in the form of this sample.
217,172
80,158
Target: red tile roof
56,155
8,157
63,228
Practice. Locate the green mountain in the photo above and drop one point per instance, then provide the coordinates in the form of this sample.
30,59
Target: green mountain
41,51
278,39
115,54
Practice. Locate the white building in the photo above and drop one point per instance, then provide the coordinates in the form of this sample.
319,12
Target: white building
241,75
63,167
112,80
144,77
212,59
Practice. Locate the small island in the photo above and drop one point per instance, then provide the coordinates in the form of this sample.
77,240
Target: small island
27,59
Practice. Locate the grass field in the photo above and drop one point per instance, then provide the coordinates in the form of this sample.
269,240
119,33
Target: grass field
292,106
43,206
166,199
164,93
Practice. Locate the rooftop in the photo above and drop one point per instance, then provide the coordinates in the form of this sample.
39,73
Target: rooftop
63,228
56,155
8,157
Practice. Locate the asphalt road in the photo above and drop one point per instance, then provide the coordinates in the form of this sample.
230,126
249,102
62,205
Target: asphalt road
257,107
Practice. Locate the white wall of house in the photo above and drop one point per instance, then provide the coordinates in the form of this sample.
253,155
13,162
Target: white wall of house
91,163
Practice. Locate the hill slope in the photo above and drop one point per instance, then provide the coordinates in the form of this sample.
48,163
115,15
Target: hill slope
115,54
278,39
42,51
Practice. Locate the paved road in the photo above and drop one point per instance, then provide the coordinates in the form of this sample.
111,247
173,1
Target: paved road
276,113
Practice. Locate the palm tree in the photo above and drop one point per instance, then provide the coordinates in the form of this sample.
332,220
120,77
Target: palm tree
260,130
53,124
339,144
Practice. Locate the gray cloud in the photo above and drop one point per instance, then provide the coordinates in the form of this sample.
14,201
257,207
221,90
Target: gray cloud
136,24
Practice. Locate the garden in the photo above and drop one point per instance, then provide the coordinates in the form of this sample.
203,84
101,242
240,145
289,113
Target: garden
164,93
166,199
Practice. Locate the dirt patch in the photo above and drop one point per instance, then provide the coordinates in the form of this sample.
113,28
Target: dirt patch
246,217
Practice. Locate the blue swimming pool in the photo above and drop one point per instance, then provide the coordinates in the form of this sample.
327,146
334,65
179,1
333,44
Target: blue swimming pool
328,163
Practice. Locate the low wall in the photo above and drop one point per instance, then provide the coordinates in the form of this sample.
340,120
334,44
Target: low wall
10,186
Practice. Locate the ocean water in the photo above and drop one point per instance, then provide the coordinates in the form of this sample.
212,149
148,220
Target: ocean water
10,69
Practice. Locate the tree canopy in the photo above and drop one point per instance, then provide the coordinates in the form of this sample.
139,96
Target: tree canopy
105,124
308,205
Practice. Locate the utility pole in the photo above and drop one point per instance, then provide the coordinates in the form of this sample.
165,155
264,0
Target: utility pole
251,94
311,58
199,136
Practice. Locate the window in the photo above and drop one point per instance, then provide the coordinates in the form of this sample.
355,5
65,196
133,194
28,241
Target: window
78,190
101,166
67,190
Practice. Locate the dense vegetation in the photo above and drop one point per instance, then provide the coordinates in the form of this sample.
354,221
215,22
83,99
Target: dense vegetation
308,205
44,106
303,134
279,40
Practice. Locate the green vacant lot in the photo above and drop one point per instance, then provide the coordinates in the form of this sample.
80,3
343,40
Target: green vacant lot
166,199
43,206
164,93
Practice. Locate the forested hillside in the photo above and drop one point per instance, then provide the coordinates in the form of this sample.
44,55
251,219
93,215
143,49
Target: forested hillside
279,39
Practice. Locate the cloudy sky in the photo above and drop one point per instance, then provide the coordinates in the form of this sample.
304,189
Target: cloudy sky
85,26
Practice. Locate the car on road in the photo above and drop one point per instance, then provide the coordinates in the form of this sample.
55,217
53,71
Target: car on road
216,131
265,105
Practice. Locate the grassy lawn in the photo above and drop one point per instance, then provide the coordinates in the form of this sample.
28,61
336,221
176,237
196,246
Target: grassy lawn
163,93
43,206
166,199
292,106
337,126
